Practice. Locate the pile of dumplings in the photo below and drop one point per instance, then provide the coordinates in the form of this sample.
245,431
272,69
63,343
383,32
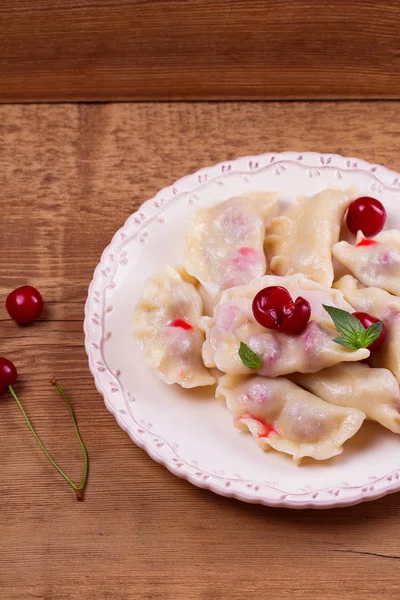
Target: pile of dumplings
310,394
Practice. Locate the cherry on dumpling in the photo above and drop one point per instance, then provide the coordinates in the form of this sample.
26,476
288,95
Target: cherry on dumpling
367,215
274,308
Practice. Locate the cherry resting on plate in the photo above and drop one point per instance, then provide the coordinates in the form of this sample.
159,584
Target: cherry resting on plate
25,304
274,308
367,320
367,215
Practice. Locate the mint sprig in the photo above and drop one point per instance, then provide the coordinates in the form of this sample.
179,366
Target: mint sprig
353,334
248,357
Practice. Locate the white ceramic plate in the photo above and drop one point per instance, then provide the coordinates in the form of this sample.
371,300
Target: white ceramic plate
190,432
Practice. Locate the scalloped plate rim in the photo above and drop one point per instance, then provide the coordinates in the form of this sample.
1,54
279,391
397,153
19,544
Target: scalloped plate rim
290,500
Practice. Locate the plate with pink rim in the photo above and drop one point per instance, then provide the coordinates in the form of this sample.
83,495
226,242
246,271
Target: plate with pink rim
190,431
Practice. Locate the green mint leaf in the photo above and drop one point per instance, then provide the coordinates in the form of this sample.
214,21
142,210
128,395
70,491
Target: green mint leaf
371,334
344,342
353,333
248,357
345,323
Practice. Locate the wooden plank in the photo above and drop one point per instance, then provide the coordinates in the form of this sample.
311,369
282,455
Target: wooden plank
95,50
70,176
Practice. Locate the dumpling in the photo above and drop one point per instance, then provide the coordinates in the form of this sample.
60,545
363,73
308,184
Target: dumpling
166,325
301,240
224,243
233,322
385,307
372,300
375,262
285,417
373,391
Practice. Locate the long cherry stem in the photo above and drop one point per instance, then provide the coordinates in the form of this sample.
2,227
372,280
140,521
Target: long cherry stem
78,488
81,486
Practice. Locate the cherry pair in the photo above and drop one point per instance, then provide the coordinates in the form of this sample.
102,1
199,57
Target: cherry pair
274,308
24,305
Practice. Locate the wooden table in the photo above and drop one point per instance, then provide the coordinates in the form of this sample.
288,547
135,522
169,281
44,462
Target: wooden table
70,175
58,50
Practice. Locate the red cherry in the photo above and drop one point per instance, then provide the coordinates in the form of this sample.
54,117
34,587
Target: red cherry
8,374
25,304
274,308
367,215
268,304
367,320
295,316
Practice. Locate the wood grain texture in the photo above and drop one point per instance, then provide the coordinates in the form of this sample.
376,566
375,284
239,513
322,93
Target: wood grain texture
65,50
69,177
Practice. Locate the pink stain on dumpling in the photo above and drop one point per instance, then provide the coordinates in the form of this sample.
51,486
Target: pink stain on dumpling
255,396
248,252
258,406
265,428
312,338
178,341
233,223
392,317
306,426
389,259
227,314
247,263
244,266
240,278
248,257
385,260
240,263
265,346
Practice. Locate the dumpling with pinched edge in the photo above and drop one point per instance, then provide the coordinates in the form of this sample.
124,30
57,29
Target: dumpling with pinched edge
298,285
285,417
224,243
301,240
314,349
383,306
166,326
375,262
373,391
